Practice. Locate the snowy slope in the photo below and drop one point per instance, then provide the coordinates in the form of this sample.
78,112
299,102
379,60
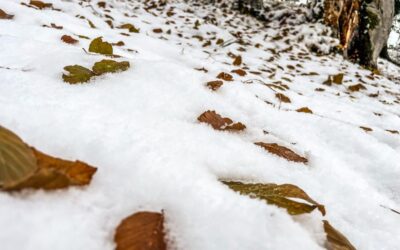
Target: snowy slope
140,129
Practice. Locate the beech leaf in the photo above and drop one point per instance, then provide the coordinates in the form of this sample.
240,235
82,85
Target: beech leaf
282,151
77,74
214,85
109,66
141,231
220,123
225,76
17,161
278,195
100,47
335,239
4,15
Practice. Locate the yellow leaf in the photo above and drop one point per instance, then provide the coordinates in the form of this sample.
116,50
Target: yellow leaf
98,46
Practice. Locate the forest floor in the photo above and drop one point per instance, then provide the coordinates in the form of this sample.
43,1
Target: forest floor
140,128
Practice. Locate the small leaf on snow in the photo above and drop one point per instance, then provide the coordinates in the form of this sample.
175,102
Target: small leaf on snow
282,151
366,129
282,98
55,173
304,110
214,85
220,123
338,79
77,74
157,30
225,76
130,27
237,61
141,231
40,4
335,239
109,66
4,15
68,39
393,131
357,87
239,72
17,161
278,195
98,46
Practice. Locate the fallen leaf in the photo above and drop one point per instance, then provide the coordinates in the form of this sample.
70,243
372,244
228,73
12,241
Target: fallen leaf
40,4
130,27
4,15
220,123
158,30
141,231
225,76
77,74
366,129
335,239
98,46
282,98
237,61
68,39
109,66
304,110
356,87
239,72
282,151
278,195
17,161
338,79
393,131
214,85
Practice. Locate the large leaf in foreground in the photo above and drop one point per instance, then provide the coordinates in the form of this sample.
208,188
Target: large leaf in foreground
335,239
17,161
141,231
278,195
100,47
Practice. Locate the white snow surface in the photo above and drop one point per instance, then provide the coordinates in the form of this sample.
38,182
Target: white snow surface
140,129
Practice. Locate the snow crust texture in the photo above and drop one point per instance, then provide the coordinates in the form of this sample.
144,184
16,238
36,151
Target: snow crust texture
140,128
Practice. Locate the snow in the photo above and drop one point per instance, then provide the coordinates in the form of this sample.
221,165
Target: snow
140,129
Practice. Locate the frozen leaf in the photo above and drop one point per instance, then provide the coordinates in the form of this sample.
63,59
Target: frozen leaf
98,46
109,66
130,27
141,231
282,98
335,239
214,85
304,110
237,61
282,151
77,74
55,173
225,76
17,161
4,15
279,195
40,4
68,39
220,123
239,72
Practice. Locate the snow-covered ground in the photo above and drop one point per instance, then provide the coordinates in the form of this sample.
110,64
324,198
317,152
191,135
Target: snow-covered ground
140,129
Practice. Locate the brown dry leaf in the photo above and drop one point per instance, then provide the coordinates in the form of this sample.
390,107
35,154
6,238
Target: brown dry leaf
304,110
225,76
338,79
335,239
282,151
237,61
393,131
4,15
141,231
239,72
56,173
158,30
278,195
40,4
220,123
214,85
282,98
366,129
357,87
68,39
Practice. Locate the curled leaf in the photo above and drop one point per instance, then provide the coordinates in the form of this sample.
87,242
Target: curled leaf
220,123
77,74
141,231
278,195
282,151
98,46
214,85
335,239
109,66
4,15
17,161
